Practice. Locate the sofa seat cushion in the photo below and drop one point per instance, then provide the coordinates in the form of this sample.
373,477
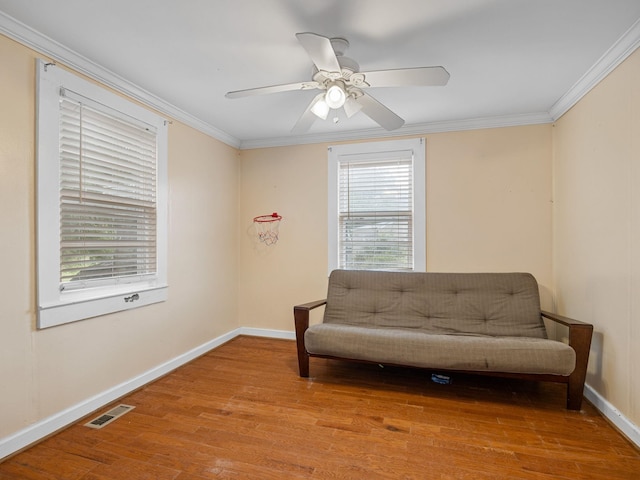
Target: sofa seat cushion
413,347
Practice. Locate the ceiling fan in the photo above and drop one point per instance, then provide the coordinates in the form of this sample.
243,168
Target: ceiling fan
342,84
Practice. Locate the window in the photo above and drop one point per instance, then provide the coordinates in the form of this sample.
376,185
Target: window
102,201
377,206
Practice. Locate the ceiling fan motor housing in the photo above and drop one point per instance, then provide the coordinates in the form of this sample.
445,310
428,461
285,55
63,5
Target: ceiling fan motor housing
348,67
339,45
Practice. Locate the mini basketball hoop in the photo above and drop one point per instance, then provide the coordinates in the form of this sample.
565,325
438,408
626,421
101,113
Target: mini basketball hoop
267,227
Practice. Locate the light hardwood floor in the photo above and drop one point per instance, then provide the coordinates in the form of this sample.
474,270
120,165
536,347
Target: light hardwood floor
242,412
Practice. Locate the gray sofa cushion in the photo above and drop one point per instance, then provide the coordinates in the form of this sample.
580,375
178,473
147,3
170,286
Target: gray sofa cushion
417,348
490,304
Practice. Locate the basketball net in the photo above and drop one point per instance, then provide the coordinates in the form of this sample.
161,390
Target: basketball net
267,227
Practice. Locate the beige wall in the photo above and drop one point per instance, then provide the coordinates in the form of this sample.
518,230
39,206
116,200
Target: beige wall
293,182
488,209
597,229
44,372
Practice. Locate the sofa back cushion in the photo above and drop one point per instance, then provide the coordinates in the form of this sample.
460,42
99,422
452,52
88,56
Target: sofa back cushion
495,304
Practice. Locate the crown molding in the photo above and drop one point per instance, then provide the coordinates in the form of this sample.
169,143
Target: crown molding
407,130
613,57
57,52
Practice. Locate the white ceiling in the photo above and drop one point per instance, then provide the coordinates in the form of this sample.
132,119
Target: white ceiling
511,61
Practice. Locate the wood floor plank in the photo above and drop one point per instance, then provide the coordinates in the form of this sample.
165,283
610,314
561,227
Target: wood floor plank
242,412
48,463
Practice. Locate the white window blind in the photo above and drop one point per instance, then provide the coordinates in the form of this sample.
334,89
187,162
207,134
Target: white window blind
375,218
107,195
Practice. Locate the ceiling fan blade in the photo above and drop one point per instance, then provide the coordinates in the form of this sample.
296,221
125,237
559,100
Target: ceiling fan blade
379,113
308,117
272,89
320,50
420,76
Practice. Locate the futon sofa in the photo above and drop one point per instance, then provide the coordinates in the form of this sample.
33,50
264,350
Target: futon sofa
483,323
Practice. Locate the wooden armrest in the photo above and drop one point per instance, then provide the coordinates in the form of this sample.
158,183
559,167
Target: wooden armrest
301,318
301,314
310,305
580,334
569,322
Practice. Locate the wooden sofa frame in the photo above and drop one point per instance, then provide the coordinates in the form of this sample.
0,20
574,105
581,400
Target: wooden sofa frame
580,334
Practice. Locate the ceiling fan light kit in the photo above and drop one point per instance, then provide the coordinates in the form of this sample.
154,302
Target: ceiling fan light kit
342,84
320,107
336,95
351,106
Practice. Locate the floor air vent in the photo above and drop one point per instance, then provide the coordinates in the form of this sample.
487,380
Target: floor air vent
110,416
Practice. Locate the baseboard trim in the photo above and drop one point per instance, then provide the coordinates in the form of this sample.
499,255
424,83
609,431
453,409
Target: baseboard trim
622,423
263,332
42,429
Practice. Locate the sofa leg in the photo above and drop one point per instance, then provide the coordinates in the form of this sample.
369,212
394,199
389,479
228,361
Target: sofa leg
575,392
303,364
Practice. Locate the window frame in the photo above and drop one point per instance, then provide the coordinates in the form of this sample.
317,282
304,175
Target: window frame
56,306
379,149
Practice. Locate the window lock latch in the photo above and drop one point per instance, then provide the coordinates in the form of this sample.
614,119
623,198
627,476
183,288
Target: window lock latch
132,298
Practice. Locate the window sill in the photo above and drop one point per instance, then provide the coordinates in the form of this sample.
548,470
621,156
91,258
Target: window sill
80,308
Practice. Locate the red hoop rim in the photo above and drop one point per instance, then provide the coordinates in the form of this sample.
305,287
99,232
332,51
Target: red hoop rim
274,217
